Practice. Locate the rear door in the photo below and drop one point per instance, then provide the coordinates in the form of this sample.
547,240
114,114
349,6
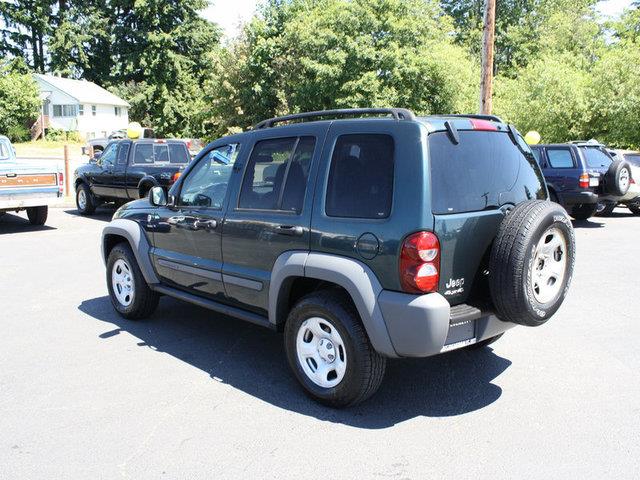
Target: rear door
269,211
473,183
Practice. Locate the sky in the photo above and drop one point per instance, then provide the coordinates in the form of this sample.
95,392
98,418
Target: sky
229,14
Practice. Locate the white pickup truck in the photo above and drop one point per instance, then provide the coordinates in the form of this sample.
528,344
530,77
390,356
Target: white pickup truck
27,186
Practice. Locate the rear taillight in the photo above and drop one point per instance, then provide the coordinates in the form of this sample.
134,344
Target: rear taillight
632,181
584,180
175,177
483,125
60,182
420,263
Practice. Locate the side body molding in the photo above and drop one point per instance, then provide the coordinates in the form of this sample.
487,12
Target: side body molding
132,232
354,276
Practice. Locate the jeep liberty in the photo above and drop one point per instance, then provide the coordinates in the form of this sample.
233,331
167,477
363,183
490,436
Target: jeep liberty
362,235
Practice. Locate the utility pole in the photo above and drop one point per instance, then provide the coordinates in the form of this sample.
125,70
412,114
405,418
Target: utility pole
488,39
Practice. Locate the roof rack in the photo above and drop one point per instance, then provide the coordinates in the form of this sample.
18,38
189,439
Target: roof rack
493,118
396,113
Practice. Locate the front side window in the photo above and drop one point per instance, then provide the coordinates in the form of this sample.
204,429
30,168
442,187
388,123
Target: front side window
560,158
633,158
108,157
360,181
4,150
206,184
276,174
596,158
537,155
123,151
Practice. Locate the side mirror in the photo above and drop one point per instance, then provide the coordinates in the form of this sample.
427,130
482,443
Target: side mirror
158,197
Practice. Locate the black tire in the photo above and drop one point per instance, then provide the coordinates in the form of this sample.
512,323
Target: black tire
617,179
584,211
144,300
485,343
517,295
364,366
634,207
605,209
90,203
38,215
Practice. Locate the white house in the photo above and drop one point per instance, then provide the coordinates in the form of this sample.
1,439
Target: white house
78,105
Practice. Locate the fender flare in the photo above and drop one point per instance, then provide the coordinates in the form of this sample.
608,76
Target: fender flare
352,275
133,234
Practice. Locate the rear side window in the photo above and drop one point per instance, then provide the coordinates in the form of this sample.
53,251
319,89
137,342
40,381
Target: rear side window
484,171
596,158
277,173
361,177
560,158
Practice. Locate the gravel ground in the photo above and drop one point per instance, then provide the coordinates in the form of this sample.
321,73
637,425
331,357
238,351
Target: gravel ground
191,394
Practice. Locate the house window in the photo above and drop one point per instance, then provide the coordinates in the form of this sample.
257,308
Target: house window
93,110
65,110
81,109
118,111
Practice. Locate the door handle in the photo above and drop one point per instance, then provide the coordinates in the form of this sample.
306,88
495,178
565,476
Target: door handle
176,220
291,230
205,224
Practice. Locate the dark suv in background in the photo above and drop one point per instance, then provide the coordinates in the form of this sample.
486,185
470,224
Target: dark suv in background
581,176
361,239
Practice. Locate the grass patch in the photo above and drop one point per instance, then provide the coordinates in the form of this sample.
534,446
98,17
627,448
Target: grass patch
48,149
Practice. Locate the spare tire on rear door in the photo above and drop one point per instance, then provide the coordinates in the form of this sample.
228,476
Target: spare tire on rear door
618,178
532,263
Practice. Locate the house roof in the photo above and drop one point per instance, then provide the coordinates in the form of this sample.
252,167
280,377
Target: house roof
83,91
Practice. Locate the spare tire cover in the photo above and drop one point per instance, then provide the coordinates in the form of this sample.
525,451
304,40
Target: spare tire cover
532,262
618,178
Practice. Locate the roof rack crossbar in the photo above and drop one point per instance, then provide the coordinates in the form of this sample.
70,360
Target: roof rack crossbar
493,118
396,113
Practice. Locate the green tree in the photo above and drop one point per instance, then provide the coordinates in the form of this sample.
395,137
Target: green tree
25,28
19,100
320,54
550,95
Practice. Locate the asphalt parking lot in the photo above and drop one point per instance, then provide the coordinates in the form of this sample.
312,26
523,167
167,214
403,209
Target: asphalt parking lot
190,394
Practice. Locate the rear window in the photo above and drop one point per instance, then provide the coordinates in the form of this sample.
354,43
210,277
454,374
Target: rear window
633,158
484,171
596,158
150,153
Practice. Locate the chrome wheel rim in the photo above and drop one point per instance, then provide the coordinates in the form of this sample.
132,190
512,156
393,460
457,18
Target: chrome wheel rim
82,199
122,282
321,352
624,178
549,266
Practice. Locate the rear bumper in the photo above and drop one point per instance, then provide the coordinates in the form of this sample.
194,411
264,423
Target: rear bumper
425,325
24,198
580,198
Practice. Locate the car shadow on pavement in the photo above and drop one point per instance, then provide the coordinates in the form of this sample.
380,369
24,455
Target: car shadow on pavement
591,223
11,223
252,359
104,214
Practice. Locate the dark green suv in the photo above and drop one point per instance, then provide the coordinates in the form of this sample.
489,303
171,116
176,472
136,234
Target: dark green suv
361,239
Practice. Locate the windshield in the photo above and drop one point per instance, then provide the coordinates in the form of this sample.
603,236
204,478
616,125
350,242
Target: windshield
5,150
596,158
485,170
